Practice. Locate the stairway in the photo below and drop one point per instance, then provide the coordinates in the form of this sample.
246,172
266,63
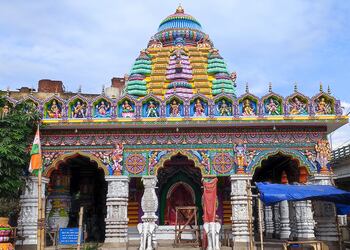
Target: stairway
133,213
227,212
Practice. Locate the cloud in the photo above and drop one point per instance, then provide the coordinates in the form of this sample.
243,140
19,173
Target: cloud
341,137
88,42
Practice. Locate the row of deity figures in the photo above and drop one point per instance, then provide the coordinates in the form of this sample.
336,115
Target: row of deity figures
198,107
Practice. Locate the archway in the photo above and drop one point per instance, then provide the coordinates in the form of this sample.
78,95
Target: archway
179,184
280,168
78,182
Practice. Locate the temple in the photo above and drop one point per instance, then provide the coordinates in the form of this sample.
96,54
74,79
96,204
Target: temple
149,144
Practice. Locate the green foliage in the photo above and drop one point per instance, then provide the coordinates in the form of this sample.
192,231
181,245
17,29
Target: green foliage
17,129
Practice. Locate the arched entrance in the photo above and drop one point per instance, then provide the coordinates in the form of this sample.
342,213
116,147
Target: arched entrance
280,168
77,181
179,184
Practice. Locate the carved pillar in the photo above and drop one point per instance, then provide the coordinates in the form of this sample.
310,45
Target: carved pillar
28,217
149,201
276,220
149,204
240,211
117,209
304,223
284,220
268,222
324,213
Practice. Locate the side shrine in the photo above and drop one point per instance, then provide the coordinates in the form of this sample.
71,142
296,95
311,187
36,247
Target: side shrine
133,158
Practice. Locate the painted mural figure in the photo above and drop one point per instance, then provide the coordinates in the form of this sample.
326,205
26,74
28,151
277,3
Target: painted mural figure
127,109
247,108
297,107
198,108
117,159
152,110
225,109
272,107
323,108
240,156
79,110
323,154
55,110
102,109
175,109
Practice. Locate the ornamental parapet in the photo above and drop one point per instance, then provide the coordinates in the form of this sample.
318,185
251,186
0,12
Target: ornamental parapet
246,109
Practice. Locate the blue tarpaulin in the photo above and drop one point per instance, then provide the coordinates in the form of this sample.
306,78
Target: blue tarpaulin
273,193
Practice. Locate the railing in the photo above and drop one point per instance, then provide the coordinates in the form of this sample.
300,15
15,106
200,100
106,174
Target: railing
341,153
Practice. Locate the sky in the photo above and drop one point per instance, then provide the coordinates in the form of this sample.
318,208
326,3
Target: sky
87,42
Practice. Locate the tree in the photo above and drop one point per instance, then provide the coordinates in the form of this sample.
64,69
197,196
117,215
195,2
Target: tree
17,127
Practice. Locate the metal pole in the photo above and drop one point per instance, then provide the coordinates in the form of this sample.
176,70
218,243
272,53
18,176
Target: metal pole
81,212
43,235
39,228
260,224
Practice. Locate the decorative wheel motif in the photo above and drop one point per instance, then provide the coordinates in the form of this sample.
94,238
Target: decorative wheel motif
223,163
135,163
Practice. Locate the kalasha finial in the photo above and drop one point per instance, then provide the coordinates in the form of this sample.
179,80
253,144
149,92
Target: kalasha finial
180,9
79,89
103,89
8,91
270,87
329,90
295,87
321,87
246,88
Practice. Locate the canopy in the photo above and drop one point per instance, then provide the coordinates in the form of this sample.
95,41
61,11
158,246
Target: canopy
273,193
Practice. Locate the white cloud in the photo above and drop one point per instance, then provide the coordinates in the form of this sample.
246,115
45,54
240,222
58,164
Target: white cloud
89,42
341,137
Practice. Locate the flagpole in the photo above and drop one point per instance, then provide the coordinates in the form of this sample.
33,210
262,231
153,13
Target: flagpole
40,209
36,163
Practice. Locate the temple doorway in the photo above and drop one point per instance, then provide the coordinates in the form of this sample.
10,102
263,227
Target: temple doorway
280,168
179,184
78,182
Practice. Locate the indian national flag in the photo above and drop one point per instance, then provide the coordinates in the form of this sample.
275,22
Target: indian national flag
35,159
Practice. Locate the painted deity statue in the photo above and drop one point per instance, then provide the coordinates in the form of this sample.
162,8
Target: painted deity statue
224,109
247,109
198,108
174,109
323,154
323,108
117,159
55,110
79,110
272,107
240,156
127,109
103,109
152,109
297,107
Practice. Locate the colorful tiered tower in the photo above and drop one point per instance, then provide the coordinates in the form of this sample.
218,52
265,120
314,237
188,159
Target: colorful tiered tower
179,72
217,67
180,53
141,69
